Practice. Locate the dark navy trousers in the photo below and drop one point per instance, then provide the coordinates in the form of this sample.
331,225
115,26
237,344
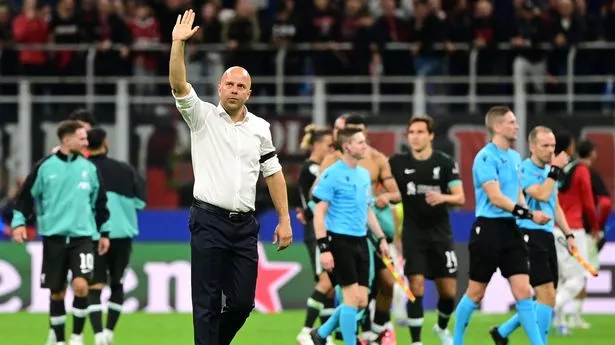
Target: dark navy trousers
224,260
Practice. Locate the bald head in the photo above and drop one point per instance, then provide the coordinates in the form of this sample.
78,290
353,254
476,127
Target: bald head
234,90
237,72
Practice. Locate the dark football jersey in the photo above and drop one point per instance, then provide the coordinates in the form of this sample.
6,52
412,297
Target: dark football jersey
307,176
415,178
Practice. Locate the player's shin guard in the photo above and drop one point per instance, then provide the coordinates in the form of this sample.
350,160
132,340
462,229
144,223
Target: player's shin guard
57,319
328,310
463,314
445,309
80,312
415,318
315,304
381,318
509,326
95,310
366,321
348,324
544,314
328,327
527,318
115,306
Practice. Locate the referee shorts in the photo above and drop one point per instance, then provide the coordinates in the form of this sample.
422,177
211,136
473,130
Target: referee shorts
543,257
351,258
497,243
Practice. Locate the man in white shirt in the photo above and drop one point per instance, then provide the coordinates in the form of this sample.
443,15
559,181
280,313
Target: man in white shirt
229,147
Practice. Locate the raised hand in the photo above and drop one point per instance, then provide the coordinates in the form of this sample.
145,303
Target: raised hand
561,159
183,27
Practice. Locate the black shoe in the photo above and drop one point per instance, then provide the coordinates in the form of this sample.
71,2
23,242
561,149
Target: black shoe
497,338
316,339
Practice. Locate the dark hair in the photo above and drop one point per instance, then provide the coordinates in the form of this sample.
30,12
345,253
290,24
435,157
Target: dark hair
426,119
68,127
355,119
82,115
563,141
313,134
96,138
585,149
344,136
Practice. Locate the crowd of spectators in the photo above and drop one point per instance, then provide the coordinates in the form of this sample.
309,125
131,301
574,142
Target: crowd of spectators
131,37
120,29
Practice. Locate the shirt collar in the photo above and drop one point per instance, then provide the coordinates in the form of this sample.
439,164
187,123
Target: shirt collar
498,150
98,156
67,158
221,112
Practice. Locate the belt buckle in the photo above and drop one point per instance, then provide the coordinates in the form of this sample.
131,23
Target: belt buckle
234,215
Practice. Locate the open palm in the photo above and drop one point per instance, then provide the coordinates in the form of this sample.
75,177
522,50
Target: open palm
183,27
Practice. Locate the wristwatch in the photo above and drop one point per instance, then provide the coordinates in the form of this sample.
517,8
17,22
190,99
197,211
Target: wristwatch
569,235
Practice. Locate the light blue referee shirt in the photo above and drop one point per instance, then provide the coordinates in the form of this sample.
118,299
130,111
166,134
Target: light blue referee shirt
349,194
494,164
531,174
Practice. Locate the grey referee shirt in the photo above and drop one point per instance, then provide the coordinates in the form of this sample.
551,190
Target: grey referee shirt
227,156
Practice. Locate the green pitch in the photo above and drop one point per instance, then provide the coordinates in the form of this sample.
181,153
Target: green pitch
278,329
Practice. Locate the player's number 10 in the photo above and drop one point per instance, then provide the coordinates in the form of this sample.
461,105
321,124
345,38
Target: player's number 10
87,262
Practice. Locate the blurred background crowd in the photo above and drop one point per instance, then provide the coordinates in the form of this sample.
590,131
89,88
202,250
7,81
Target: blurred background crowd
126,33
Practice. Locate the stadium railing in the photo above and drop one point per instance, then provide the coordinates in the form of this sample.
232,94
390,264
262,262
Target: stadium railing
315,103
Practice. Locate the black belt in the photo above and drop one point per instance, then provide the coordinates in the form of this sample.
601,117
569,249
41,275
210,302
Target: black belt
235,216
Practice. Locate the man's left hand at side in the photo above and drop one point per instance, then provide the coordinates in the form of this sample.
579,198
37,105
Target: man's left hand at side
283,235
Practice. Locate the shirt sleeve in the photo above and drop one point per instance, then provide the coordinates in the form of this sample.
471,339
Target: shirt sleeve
269,159
99,204
325,187
528,179
24,203
581,178
139,190
452,173
193,109
485,169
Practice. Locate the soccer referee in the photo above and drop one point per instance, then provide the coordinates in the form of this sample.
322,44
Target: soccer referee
229,147
495,241
539,175
342,214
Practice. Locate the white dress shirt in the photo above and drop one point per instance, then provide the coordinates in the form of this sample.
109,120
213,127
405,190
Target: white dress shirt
227,156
